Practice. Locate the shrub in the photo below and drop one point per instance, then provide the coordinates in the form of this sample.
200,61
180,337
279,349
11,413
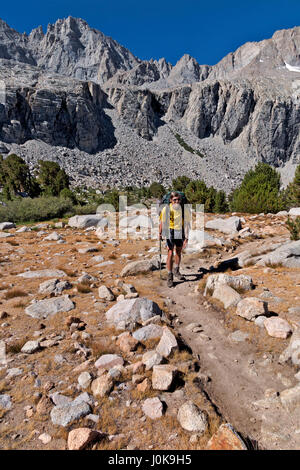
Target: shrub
157,190
292,192
66,193
15,177
38,209
52,178
294,228
180,183
259,191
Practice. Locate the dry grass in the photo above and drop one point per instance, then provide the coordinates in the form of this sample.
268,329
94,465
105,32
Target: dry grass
68,271
13,243
20,304
83,288
15,292
16,346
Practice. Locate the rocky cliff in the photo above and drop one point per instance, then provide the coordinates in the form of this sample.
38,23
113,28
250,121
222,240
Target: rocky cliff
76,92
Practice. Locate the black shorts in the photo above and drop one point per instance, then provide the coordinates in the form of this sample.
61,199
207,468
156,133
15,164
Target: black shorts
177,238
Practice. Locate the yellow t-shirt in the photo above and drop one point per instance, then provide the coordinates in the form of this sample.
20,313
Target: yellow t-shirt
176,219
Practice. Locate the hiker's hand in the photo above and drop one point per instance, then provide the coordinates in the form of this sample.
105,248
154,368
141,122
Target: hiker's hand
160,237
185,242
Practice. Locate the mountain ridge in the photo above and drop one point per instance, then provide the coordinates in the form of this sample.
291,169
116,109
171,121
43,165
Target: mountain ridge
76,89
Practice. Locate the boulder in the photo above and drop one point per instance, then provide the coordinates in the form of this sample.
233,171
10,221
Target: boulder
138,267
43,273
286,254
127,313
228,296
84,221
48,307
148,332
295,211
251,307
230,225
241,281
7,225
191,418
54,286
277,327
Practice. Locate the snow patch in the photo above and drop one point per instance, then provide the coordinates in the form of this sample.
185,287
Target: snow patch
292,68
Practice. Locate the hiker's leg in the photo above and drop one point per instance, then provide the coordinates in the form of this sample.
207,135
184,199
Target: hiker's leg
170,260
177,273
178,250
170,263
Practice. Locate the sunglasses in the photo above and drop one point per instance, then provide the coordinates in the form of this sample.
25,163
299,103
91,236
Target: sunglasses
175,200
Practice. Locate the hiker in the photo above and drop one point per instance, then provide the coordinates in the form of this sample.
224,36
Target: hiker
174,224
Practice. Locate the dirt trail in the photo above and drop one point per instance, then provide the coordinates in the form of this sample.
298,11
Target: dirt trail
239,373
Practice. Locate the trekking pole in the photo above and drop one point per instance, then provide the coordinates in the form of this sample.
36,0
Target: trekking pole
160,258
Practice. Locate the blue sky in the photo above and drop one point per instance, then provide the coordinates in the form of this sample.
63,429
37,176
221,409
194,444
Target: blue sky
164,28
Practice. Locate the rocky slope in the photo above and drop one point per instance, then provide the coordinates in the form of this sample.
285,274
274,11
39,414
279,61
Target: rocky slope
94,344
74,93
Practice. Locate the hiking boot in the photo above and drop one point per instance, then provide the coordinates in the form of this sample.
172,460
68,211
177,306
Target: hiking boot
178,274
170,280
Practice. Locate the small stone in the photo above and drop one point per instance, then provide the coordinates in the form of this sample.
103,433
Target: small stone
44,406
79,438
151,358
71,412
251,307
30,347
191,418
45,438
163,377
143,386
153,408
5,402
290,398
277,327
84,380
105,293
102,386
167,344
127,342
226,438
107,361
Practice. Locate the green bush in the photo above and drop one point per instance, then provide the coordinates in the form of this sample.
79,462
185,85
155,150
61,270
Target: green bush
157,190
294,228
180,183
15,177
35,210
259,191
292,192
52,178
66,193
